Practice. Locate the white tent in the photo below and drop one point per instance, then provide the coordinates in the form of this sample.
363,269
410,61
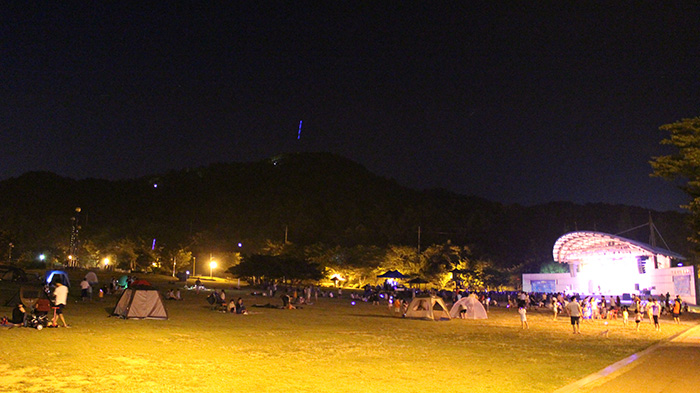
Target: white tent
473,309
91,278
140,302
432,308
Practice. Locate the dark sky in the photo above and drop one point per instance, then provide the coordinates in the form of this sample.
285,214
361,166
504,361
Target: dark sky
518,102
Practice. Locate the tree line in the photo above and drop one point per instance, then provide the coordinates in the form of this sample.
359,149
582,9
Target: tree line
316,207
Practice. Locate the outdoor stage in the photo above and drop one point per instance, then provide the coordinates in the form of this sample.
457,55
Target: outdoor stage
605,264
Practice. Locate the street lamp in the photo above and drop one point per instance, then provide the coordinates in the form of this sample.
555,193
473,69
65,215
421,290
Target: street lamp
106,262
212,265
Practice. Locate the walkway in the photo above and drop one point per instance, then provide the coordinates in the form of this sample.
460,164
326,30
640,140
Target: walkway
668,367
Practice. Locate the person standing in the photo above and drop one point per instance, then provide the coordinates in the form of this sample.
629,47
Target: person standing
637,318
573,308
677,305
655,310
60,299
555,307
523,316
84,285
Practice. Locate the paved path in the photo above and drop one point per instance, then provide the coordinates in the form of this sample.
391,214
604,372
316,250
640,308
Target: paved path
668,367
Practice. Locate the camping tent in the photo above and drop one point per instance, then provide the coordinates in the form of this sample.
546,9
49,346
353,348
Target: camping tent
91,278
140,302
472,306
429,307
27,295
53,276
391,274
123,281
12,273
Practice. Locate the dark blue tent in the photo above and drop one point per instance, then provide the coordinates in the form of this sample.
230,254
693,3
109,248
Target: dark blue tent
392,274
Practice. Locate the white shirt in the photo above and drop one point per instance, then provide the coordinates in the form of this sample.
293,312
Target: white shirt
61,294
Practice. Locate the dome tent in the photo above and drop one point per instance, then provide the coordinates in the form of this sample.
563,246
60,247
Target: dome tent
428,307
140,302
473,309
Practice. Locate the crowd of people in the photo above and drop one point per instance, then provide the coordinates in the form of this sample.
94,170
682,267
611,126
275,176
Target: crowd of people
576,307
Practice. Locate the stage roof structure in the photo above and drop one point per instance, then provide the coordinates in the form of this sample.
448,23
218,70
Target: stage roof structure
576,246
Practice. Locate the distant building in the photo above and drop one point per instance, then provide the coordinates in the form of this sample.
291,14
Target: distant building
604,264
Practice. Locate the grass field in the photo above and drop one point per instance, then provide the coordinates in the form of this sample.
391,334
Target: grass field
331,346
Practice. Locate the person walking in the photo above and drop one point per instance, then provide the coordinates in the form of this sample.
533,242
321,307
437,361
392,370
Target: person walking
61,298
573,308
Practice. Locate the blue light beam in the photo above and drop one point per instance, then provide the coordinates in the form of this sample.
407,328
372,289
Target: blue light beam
299,133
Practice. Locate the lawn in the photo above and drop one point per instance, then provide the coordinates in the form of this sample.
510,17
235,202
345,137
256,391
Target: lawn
331,346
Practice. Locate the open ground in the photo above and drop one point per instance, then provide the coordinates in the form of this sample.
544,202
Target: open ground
330,346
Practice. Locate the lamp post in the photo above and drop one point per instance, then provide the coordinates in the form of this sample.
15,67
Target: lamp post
106,262
212,265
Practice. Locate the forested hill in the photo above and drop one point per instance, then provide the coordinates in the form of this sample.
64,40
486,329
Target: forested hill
315,197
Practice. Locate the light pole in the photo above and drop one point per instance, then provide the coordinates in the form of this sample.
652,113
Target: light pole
74,240
212,265
106,262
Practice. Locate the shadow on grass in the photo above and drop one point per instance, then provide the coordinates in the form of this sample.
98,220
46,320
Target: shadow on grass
376,316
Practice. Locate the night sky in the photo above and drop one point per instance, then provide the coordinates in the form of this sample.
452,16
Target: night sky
517,102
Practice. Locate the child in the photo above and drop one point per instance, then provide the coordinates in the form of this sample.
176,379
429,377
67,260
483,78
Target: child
523,316
637,318
625,315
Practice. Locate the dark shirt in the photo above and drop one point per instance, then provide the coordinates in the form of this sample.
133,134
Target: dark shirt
17,316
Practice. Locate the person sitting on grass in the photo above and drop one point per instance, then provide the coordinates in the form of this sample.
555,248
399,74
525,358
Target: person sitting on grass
240,308
18,317
286,302
213,299
231,306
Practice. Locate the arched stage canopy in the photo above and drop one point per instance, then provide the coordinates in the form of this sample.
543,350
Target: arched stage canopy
575,247
604,264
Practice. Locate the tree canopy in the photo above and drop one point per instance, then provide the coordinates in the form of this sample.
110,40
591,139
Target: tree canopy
683,165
